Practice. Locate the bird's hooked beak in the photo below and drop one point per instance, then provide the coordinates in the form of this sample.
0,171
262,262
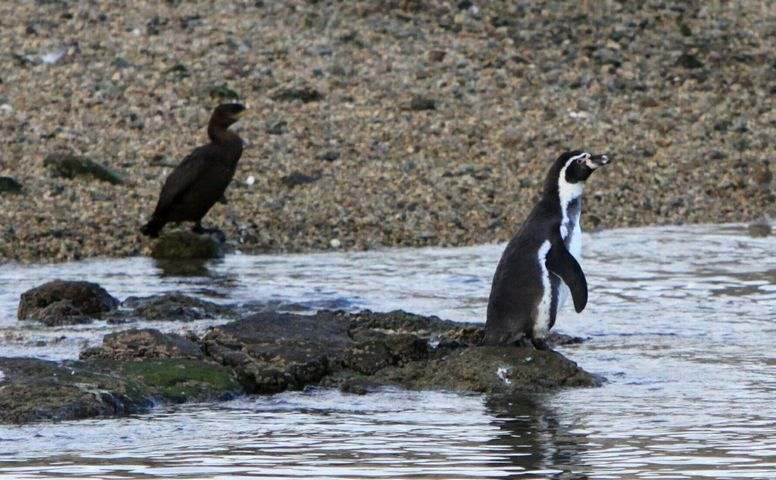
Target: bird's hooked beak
241,113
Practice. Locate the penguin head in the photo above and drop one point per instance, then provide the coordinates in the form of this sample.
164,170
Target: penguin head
576,165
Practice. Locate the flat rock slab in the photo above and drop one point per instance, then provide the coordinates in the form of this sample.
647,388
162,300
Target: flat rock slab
145,343
34,390
273,352
80,299
175,307
492,370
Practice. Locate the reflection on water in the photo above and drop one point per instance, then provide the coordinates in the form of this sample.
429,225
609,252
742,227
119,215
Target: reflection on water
681,320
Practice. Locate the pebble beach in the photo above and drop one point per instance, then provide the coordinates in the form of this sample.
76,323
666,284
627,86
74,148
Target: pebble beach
379,124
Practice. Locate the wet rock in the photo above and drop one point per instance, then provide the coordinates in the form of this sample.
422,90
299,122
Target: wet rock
88,298
355,387
295,179
273,352
184,245
9,185
374,350
492,370
180,380
560,339
37,390
759,229
146,343
61,313
174,307
68,165
304,93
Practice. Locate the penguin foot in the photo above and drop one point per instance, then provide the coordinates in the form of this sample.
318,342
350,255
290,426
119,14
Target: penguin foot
540,344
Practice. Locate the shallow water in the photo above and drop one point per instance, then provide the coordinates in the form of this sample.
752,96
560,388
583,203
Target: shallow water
681,320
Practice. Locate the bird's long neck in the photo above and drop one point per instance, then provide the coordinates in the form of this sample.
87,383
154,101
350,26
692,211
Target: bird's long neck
221,135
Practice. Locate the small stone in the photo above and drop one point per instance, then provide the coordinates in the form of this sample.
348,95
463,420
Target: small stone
276,127
223,92
330,156
297,178
689,61
422,103
121,63
335,243
437,55
9,185
68,165
305,94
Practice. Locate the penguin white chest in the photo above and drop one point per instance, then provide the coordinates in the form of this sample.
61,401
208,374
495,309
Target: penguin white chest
570,196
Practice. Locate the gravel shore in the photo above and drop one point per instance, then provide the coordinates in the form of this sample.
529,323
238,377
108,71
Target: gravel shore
398,123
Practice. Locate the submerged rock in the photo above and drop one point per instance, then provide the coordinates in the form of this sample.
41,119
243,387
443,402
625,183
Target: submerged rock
68,165
183,245
72,299
759,229
146,343
175,307
37,390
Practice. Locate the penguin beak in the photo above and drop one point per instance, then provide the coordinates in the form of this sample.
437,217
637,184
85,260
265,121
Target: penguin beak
596,161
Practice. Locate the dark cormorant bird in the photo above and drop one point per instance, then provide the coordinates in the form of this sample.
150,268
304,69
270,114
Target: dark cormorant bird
202,177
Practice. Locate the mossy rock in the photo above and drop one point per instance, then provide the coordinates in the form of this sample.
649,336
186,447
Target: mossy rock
68,165
180,380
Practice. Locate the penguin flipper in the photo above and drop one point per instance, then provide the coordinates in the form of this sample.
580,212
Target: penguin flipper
563,264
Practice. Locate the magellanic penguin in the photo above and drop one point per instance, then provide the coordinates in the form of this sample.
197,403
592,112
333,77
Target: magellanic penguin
541,263
202,177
